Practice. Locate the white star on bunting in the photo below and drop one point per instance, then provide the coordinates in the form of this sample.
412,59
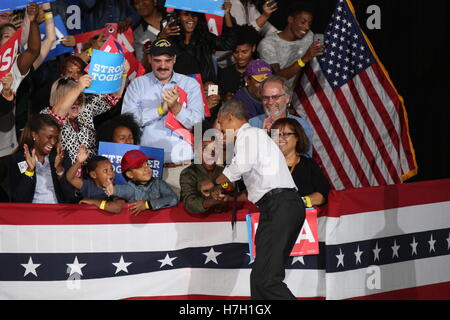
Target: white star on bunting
432,242
167,261
298,259
376,252
358,254
76,267
121,265
414,246
30,267
395,248
212,255
340,258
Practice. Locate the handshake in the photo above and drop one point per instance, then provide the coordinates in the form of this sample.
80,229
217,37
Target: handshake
217,192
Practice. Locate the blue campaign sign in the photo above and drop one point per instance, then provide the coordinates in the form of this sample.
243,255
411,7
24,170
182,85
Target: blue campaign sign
57,49
8,5
203,6
106,69
115,151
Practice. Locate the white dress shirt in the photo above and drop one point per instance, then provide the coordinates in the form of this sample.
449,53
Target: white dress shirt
259,161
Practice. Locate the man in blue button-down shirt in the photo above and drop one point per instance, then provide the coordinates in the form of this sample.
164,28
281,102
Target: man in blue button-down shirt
151,96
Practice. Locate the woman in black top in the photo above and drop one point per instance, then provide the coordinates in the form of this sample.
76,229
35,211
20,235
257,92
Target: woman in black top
307,175
196,45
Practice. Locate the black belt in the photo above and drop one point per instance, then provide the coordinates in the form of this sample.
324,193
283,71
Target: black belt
271,193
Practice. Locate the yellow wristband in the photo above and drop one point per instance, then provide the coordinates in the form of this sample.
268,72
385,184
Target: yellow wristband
124,75
102,205
300,62
146,205
48,15
29,173
160,110
308,202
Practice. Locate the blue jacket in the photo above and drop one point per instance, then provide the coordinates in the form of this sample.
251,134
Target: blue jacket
156,192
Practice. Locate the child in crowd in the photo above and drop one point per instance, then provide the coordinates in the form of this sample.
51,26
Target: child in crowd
143,191
100,174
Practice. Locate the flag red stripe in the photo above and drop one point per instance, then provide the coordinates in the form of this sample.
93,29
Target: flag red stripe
323,137
374,132
80,214
381,108
360,136
389,89
335,123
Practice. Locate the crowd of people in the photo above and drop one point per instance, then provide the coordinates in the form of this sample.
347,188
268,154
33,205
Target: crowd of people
50,129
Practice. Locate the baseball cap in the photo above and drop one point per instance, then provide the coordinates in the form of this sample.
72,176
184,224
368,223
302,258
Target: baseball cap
258,70
133,159
162,46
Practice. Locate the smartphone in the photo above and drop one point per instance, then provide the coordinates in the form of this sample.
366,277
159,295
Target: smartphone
270,3
213,89
111,29
318,37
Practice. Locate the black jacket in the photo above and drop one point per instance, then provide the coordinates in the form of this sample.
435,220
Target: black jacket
197,57
22,186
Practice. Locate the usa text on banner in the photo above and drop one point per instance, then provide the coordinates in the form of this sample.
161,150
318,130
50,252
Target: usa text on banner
359,120
307,242
8,53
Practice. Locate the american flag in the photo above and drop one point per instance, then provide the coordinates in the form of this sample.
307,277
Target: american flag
359,120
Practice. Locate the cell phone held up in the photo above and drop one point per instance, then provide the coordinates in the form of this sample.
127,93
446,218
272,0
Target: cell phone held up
319,38
213,89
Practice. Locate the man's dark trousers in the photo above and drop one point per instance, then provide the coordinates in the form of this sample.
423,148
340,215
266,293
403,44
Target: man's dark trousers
281,219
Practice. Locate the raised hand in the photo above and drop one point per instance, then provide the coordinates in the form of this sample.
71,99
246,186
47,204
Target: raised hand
82,154
33,11
59,158
30,158
269,7
84,82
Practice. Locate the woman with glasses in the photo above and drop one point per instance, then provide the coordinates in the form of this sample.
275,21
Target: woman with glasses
308,177
75,111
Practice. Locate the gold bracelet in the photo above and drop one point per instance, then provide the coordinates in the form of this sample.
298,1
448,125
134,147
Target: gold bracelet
29,173
48,15
102,205
300,62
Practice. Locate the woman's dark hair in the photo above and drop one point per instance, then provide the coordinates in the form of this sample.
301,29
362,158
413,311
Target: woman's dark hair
201,31
35,124
105,132
62,68
247,34
93,162
302,144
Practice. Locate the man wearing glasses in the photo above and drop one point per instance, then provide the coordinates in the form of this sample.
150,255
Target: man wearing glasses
275,97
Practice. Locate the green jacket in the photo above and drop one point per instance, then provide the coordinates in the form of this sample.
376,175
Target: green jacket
190,180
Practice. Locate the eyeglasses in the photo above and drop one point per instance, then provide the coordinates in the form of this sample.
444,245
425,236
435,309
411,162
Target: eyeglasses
282,134
274,98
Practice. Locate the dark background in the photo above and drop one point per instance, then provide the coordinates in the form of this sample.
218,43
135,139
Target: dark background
412,45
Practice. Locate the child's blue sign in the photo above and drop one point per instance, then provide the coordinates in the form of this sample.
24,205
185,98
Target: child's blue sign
57,49
115,151
9,5
106,69
203,6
